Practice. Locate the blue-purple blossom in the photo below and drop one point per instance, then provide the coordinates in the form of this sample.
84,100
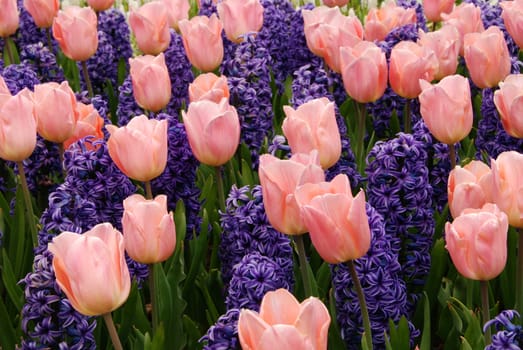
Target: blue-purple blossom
207,8
102,66
113,23
43,62
223,335
19,76
421,21
28,33
509,335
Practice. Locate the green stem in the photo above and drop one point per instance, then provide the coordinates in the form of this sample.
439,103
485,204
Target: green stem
87,80
363,304
152,294
61,152
406,118
302,257
219,185
485,309
148,190
519,275
28,204
360,146
452,156
112,331
8,43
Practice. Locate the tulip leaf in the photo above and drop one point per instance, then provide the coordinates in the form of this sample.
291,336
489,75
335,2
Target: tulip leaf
10,282
335,340
193,333
198,246
132,314
400,334
426,337
465,344
7,332
159,340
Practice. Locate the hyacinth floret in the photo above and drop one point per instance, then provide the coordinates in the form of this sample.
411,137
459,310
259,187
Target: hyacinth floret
43,62
102,66
508,335
19,76
28,33
113,23
223,335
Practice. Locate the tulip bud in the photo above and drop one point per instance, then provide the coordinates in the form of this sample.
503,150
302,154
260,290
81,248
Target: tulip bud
434,8
209,86
445,44
42,11
509,102
150,27
240,17
466,18
512,17
9,18
380,22
100,5
176,11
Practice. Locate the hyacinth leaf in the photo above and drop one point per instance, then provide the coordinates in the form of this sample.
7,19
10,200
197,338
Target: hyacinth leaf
364,345
335,340
439,259
323,278
14,52
17,241
399,334
112,97
211,310
387,342
197,247
193,332
158,341
7,332
180,221
394,123
71,71
507,277
247,176
465,344
425,343
132,315
472,333
10,282
456,319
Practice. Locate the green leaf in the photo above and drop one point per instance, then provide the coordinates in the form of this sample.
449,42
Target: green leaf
132,315
425,337
11,283
7,332
465,344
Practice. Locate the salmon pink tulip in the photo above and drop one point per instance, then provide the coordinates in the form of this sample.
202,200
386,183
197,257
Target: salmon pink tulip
466,18
364,71
240,17
148,229
509,102
477,242
89,124
209,86
90,269
313,126
487,57
42,11
100,5
76,22
513,19
446,108
434,8
333,3
213,130
283,323
150,27
151,81
9,18
202,40
139,149
445,44
176,11
279,180
337,222
380,21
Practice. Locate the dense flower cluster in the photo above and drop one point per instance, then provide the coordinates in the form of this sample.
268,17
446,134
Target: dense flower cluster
102,66
509,335
19,76
223,335
113,23
43,62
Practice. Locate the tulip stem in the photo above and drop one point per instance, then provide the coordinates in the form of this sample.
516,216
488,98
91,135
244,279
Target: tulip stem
112,331
302,257
10,55
452,156
406,118
61,152
519,275
87,80
360,146
28,204
152,292
148,190
219,184
485,309
363,304
49,40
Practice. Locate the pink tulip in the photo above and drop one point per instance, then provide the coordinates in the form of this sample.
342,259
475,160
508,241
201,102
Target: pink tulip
434,8
364,71
240,17
477,242
89,124
509,102
313,126
55,108
487,57
337,222
151,81
90,269
327,29
380,22
283,323
3,87
42,11
513,18
507,185
466,18
213,130
209,86
467,187
446,108
76,22
148,229
100,5
445,44
9,19
333,3
279,179
150,27
17,126
139,149
202,40
176,11
410,62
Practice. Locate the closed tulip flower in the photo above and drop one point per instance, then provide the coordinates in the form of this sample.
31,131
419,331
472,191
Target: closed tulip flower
445,44
176,11
55,108
466,18
89,124
477,242
148,229
446,108
90,269
9,18
410,62
213,130
100,5
283,323
151,81
139,149
487,57
513,18
333,3
17,126
380,21
279,180
209,86
364,71
434,8
240,17
202,40
42,11
150,27
337,222
313,126
509,102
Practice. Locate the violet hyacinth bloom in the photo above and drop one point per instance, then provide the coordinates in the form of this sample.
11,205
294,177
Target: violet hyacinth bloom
102,66
223,335
113,23
19,76
508,335
43,62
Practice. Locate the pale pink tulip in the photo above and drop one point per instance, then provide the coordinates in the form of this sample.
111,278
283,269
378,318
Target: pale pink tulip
445,44
313,126
148,229
42,11
380,21
100,5
333,3
487,57
213,130
240,17
434,8
209,86
4,89
9,18
17,126
446,108
176,11
89,124
139,149
151,81
337,222
466,18
90,269
509,102
202,40
513,19
150,27
283,323
477,242
410,62
364,71
55,108
279,180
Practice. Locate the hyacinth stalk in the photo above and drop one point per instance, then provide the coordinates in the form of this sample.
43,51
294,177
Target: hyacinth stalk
363,304
28,204
112,331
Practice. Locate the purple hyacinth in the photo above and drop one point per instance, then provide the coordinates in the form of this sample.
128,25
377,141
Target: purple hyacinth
509,335
421,22
43,62
127,106
19,76
207,8
223,335
102,66
113,23
28,33
380,275
299,53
